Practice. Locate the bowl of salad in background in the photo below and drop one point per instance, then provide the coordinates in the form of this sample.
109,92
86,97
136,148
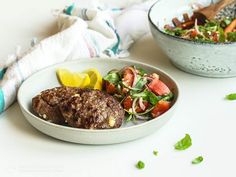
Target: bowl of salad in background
210,55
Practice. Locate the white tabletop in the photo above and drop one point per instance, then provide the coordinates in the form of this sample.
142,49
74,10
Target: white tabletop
202,112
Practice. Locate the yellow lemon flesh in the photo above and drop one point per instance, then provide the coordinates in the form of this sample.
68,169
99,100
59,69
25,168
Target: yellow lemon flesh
95,79
70,79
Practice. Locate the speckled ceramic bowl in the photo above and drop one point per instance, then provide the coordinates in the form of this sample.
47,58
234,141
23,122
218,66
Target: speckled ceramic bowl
205,59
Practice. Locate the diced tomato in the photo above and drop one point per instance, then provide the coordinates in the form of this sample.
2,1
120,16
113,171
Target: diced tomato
139,110
215,37
125,90
158,87
193,33
160,108
128,77
110,88
127,103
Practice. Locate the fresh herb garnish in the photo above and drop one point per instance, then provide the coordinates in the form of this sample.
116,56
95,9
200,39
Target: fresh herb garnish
112,77
141,71
155,152
184,143
231,96
231,36
140,83
148,96
168,97
140,165
197,160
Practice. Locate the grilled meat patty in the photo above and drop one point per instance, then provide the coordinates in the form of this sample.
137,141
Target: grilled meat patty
46,104
81,108
92,109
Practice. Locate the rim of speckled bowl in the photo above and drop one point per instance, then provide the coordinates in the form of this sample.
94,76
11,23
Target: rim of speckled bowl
182,39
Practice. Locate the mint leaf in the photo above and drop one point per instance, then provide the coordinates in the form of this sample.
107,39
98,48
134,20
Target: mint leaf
155,152
197,160
140,165
184,143
231,96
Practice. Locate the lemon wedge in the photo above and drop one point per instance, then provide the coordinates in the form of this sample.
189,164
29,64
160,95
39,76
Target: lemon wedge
95,79
71,79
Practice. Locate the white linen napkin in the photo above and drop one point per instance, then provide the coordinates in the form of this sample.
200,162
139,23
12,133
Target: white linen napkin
83,32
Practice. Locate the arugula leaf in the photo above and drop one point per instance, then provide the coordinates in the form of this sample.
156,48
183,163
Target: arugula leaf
144,94
184,143
231,36
140,84
231,96
222,35
112,77
197,160
168,97
153,99
140,165
148,96
142,72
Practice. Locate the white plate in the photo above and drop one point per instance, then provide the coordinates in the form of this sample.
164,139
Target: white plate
46,79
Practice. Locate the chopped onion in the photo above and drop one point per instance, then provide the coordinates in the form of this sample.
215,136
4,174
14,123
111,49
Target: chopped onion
140,102
142,117
134,104
196,26
135,76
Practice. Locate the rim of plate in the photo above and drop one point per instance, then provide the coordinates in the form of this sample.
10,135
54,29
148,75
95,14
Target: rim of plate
85,60
182,39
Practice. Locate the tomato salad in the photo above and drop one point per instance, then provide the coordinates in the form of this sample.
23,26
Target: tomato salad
143,96
213,31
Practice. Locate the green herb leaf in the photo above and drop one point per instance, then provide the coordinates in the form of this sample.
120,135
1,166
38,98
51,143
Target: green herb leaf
148,96
168,97
197,160
153,99
184,143
112,77
140,84
140,165
231,36
231,96
141,71
155,152
143,94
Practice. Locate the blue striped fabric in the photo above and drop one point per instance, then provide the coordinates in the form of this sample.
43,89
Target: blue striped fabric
115,48
69,9
2,101
2,71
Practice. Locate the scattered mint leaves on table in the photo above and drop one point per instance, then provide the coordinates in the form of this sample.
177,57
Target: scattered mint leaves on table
184,143
231,96
197,160
155,152
140,165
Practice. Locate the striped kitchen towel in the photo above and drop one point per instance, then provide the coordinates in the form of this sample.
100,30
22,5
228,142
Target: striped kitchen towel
83,32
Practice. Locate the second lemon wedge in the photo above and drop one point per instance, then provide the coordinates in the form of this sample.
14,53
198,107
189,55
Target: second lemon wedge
73,79
95,79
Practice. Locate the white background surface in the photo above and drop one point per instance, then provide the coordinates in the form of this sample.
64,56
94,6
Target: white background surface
202,112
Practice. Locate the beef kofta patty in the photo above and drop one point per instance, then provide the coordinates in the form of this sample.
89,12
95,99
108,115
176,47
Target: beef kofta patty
46,104
92,109
81,108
